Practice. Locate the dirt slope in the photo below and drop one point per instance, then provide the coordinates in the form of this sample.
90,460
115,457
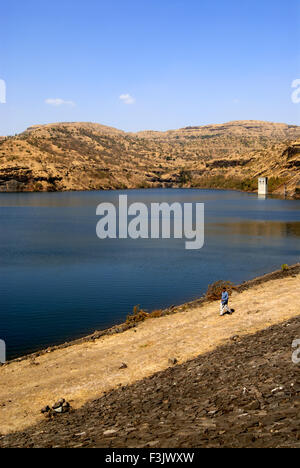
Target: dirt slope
243,394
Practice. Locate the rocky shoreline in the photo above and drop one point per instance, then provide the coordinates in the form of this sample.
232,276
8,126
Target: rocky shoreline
243,394
278,274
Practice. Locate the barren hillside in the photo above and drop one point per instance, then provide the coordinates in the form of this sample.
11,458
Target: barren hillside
87,156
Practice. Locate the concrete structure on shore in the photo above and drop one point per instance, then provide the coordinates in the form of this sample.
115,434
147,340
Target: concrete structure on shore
2,352
263,186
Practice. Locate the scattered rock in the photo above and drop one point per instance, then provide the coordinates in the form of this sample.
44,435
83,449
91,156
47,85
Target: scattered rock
277,389
255,405
173,361
235,338
123,366
58,404
58,410
110,432
46,409
34,363
153,443
61,406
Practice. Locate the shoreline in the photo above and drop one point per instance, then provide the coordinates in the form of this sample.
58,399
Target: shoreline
172,310
253,192
84,371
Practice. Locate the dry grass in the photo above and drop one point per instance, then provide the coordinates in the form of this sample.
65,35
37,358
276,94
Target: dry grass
140,315
84,371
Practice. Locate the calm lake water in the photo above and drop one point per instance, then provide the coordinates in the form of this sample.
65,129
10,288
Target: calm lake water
58,281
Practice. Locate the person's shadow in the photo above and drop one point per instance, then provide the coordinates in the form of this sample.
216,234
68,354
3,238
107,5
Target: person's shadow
230,313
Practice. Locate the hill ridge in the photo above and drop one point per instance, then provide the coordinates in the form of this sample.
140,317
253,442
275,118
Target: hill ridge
90,156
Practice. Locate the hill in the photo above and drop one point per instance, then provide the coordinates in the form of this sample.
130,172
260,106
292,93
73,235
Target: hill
89,156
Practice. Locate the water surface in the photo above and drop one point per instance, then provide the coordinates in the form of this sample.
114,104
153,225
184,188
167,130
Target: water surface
58,281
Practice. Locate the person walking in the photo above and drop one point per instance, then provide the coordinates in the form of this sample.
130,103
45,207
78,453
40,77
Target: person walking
224,309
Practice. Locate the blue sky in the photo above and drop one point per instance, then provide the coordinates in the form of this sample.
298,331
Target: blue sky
174,62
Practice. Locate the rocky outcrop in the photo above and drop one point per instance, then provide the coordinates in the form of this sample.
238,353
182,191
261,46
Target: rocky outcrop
292,151
24,179
228,163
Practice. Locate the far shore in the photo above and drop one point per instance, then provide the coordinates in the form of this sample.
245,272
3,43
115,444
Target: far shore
86,369
253,192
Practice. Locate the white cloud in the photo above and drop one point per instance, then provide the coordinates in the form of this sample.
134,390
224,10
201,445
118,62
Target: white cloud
2,92
296,93
127,99
59,102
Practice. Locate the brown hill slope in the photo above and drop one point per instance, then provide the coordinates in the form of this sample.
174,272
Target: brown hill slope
88,156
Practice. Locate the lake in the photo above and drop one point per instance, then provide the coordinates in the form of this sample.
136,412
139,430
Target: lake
58,281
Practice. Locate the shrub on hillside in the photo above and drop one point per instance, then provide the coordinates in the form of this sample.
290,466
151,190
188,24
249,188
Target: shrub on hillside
156,313
214,291
138,315
275,183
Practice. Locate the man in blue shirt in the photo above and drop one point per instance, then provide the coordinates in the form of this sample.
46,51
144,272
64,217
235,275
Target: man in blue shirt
224,309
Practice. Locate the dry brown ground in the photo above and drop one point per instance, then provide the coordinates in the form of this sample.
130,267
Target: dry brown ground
85,371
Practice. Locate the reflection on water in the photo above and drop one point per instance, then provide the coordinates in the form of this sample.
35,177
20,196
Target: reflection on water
59,281
255,230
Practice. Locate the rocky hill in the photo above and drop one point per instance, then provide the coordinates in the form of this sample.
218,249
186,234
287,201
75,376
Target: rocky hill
87,156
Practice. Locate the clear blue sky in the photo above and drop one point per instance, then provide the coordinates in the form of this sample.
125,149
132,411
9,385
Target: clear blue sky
174,62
